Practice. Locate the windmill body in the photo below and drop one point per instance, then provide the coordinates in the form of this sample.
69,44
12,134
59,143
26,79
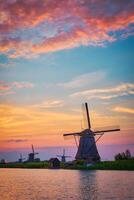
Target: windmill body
63,156
63,159
31,156
87,149
21,158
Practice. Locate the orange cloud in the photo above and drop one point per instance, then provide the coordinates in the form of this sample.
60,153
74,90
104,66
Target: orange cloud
45,128
124,110
73,23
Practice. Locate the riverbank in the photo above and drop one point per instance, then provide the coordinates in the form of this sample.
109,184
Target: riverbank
106,165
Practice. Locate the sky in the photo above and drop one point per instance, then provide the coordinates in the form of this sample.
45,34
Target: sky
56,55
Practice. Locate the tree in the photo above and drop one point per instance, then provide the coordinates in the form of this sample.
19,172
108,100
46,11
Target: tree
118,156
128,154
123,156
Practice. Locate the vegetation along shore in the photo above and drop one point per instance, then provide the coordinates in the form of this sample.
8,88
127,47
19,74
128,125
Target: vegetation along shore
105,165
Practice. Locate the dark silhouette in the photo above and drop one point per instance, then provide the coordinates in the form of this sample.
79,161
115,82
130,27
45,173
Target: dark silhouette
87,149
31,156
3,161
63,156
54,163
124,155
21,158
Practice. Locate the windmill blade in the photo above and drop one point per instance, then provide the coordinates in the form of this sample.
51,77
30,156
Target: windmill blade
87,114
72,134
84,118
101,130
60,156
69,137
72,137
33,148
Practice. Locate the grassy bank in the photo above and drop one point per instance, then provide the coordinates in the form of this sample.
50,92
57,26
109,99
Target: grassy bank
32,165
115,165
106,165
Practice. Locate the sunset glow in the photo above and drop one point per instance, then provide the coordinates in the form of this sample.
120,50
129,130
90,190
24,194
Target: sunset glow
55,55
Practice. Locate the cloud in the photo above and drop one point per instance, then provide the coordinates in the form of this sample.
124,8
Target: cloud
25,122
16,141
4,86
17,120
7,88
33,27
6,93
83,80
107,93
49,104
20,85
6,65
6,62
124,110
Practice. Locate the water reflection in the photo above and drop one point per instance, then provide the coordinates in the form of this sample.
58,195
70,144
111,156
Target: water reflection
36,184
87,185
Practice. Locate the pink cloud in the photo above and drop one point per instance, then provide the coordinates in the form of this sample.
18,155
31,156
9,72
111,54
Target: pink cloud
21,13
7,88
86,22
4,86
20,85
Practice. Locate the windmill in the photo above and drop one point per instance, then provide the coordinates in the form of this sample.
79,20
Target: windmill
21,158
31,156
87,149
63,156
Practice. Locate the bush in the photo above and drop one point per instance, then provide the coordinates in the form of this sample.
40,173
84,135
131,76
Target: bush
123,156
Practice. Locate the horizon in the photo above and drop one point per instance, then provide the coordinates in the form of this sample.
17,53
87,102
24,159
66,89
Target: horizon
59,56
107,152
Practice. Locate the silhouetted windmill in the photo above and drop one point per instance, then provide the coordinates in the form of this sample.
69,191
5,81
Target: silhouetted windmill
31,156
63,156
87,149
21,158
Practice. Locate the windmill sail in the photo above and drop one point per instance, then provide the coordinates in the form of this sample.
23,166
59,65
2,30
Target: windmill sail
87,114
33,148
31,156
63,156
86,118
99,130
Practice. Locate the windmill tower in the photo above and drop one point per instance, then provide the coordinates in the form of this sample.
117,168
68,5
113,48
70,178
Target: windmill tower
63,156
31,156
87,149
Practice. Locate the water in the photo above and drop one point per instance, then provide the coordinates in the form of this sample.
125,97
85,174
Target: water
43,184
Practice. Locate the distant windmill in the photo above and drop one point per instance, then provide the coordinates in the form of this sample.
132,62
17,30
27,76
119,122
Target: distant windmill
87,149
21,158
63,156
31,156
